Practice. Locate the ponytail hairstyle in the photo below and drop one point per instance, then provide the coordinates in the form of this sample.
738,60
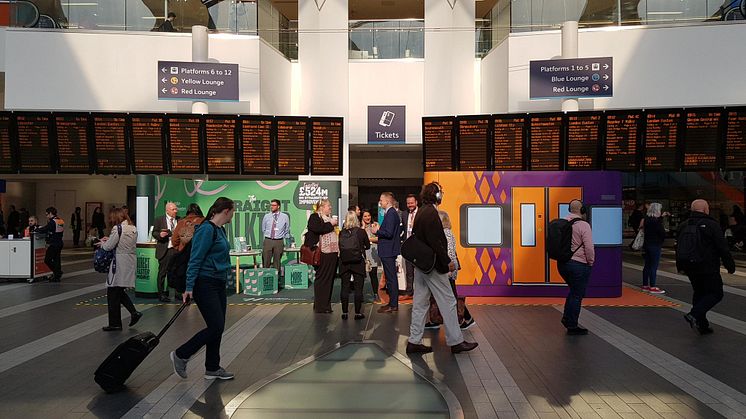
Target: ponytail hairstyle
221,204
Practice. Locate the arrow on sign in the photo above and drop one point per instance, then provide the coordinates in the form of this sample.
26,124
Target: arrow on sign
606,66
163,90
606,77
606,87
165,79
163,70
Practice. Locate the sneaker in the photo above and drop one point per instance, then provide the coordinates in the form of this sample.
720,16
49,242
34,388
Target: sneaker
646,288
466,324
656,290
180,365
431,325
220,374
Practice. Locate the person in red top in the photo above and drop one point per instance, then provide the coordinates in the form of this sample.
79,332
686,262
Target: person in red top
577,270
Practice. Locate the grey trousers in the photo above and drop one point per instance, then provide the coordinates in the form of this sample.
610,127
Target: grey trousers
437,285
272,253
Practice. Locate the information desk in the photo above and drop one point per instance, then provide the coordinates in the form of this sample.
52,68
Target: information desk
23,259
146,276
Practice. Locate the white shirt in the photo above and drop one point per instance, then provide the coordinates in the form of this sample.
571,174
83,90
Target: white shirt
410,221
171,224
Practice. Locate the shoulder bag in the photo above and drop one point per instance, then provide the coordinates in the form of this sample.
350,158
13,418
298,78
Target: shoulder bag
419,253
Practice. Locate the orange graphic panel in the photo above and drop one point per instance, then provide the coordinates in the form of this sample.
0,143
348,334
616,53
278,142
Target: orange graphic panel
529,221
559,196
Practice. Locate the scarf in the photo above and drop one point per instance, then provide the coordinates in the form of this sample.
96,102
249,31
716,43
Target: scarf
329,242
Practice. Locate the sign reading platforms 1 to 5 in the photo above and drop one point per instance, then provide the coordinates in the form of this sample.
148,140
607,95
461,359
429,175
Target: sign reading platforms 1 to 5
197,81
572,78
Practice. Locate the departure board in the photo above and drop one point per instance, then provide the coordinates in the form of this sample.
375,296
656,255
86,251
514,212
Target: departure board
147,144
110,141
33,143
701,139
326,146
256,141
583,137
183,144
220,140
545,133
6,150
437,144
473,143
508,137
72,143
622,139
291,146
735,139
661,139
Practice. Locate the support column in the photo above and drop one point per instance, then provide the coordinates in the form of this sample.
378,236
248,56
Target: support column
145,191
200,54
570,50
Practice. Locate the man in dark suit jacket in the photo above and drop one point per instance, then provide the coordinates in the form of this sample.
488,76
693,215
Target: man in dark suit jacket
389,247
407,221
162,230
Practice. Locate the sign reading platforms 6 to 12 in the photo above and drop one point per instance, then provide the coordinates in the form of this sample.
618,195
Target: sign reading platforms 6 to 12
572,78
179,80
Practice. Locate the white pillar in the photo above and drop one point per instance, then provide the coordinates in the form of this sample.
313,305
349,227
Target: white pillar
570,50
200,53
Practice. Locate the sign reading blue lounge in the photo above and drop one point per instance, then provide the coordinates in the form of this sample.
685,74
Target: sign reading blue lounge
572,78
178,80
387,124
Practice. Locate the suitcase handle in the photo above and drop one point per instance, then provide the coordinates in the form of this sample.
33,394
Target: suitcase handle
173,319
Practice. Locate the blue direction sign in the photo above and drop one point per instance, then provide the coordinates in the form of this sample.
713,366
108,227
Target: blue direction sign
571,78
179,80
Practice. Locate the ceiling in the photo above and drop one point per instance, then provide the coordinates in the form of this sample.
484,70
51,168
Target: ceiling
380,9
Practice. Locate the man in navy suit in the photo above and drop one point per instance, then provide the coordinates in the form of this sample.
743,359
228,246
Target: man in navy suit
389,247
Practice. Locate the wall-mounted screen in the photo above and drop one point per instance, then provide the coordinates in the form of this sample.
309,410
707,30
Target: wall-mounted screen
437,144
184,145
701,139
622,139
7,160
735,145
583,139
256,142
110,143
508,139
221,144
292,146
473,143
326,146
34,154
72,143
545,135
661,139
147,144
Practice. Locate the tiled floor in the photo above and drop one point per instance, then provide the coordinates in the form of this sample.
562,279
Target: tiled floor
641,362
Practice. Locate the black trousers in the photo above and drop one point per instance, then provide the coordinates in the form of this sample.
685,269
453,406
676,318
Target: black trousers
163,271
708,291
209,294
324,283
52,258
76,237
117,297
357,283
373,274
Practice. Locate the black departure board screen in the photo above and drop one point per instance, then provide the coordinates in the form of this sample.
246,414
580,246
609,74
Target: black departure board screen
735,139
661,139
437,144
183,142
72,143
110,140
545,133
701,139
583,138
508,137
6,150
291,146
220,140
33,143
473,143
326,146
256,141
147,144
622,139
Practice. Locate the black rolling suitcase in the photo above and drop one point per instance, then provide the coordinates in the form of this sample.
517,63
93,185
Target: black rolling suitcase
120,364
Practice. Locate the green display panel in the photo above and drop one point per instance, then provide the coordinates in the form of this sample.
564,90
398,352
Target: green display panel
146,276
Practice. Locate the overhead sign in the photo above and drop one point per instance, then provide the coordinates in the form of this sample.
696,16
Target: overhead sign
572,78
179,80
387,124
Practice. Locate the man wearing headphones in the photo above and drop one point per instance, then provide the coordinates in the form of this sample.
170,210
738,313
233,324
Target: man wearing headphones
577,270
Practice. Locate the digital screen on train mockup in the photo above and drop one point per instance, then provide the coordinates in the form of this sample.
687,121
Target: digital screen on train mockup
184,144
701,139
508,137
33,143
661,139
291,146
735,139
473,143
6,149
437,144
147,144
545,136
256,142
221,145
110,143
583,138
622,140
326,146
72,143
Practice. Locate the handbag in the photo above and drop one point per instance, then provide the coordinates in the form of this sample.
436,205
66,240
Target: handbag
102,259
419,253
639,240
310,256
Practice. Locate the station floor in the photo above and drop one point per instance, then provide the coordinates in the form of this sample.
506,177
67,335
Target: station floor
641,362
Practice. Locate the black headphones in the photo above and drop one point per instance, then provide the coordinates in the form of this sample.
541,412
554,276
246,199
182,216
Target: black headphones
583,208
439,194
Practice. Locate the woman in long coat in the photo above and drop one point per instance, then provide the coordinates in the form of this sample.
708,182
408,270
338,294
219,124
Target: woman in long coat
122,270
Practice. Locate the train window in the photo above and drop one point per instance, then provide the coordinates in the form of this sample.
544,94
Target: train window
528,225
606,223
481,225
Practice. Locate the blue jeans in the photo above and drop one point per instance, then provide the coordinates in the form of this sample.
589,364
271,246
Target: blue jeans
652,256
576,276
209,294
392,281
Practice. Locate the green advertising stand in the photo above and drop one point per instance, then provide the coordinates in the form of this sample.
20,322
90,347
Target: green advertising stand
146,278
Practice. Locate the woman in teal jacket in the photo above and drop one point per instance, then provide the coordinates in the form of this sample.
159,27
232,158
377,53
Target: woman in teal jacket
208,270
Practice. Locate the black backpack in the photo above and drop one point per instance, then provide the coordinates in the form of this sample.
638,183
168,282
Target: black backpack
689,243
559,239
179,262
349,246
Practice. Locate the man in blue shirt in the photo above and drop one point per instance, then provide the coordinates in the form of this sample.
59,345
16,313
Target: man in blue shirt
275,227
389,247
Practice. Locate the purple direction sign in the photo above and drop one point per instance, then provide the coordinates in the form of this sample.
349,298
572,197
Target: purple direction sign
179,80
571,78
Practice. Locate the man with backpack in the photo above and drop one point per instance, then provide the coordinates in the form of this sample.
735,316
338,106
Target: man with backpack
700,247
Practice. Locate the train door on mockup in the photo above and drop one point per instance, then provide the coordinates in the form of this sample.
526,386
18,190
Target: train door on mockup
559,206
529,223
